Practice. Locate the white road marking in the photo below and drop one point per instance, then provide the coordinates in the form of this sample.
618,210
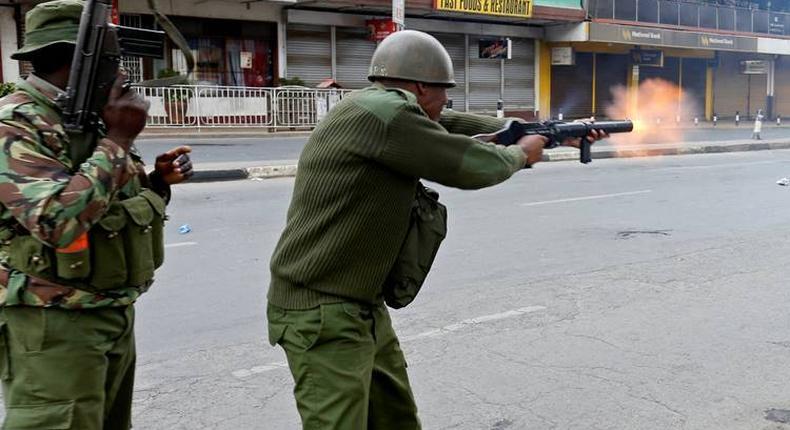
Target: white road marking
180,244
576,199
246,373
714,166
472,321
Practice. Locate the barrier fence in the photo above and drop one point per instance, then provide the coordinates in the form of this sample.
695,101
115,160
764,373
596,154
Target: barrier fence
219,106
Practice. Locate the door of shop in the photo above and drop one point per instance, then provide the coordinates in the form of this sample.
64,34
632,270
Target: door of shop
611,78
571,88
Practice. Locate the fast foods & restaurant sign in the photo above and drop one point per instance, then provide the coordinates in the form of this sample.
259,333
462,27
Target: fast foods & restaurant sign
518,8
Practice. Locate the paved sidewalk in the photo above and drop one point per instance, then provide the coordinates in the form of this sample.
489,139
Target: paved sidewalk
259,169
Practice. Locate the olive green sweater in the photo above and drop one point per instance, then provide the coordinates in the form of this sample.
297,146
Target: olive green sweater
354,188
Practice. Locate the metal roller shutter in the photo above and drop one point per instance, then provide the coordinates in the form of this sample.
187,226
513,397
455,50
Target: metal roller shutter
670,71
571,88
520,77
694,70
309,54
354,52
456,47
758,91
25,67
734,91
611,72
484,80
782,88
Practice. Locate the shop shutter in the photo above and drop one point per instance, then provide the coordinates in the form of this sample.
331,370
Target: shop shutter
484,80
354,52
694,77
571,88
520,77
782,88
731,90
758,93
611,73
25,67
670,71
456,47
309,53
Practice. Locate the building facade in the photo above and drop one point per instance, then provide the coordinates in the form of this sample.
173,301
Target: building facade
324,41
266,43
727,59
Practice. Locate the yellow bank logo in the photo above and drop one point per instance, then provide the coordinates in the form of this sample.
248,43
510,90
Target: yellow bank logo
627,35
704,40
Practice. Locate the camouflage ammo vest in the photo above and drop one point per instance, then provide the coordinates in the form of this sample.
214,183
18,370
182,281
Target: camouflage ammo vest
121,250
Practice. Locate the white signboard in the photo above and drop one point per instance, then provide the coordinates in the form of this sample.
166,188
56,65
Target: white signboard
398,12
562,56
754,67
246,60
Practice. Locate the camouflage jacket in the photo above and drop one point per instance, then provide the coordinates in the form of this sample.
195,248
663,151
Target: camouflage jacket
44,193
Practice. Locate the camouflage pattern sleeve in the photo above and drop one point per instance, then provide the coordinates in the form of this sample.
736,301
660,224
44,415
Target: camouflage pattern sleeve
55,205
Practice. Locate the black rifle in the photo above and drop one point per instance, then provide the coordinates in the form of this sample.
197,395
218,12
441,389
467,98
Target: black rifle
94,67
557,132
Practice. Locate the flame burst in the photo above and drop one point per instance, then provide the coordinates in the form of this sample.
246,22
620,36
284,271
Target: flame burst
654,109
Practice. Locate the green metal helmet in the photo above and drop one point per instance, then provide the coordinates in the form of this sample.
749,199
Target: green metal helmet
48,24
411,55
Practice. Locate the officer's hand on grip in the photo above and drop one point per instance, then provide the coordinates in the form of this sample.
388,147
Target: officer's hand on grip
174,166
532,145
124,114
594,136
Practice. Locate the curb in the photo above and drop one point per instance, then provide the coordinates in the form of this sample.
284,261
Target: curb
288,169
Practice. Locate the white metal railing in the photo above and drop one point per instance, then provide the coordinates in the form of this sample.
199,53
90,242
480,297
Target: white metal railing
219,106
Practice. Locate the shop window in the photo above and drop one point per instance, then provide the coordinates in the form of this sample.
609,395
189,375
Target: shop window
648,10
233,61
668,12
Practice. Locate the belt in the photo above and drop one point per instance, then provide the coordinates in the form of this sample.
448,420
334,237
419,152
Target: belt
48,292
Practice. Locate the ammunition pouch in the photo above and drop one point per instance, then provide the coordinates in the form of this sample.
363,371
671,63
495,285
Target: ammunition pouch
125,247
427,229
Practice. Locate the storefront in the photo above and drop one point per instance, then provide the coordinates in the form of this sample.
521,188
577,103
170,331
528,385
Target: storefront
708,68
328,45
235,44
230,53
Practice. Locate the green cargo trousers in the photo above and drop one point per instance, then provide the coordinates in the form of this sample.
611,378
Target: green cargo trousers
347,365
67,369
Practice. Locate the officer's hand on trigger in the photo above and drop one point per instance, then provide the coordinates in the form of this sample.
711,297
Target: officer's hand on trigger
532,145
124,114
174,166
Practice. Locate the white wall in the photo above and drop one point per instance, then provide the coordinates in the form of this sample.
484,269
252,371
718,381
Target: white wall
8,45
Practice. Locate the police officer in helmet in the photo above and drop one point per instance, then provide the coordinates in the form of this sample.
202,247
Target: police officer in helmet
350,227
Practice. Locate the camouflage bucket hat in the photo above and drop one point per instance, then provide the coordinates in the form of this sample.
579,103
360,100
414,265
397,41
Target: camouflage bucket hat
50,23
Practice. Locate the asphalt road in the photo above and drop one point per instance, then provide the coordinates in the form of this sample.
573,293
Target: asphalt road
642,293
234,149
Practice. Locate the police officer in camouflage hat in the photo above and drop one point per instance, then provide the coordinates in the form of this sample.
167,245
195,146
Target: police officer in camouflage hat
79,241
353,242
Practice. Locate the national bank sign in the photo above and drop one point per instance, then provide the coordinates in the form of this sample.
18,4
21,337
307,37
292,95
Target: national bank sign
716,41
641,35
670,38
